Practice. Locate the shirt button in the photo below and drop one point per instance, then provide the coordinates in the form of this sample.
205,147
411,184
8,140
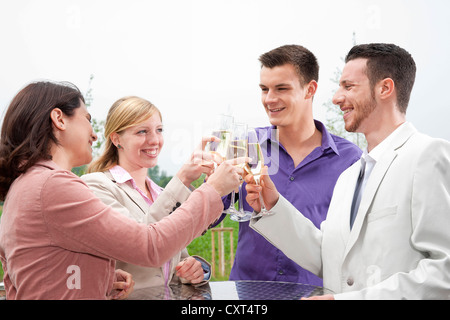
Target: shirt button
350,281
281,272
291,178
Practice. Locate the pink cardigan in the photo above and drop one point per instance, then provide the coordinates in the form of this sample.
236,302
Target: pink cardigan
59,241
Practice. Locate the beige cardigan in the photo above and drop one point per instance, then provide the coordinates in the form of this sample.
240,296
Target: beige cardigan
125,199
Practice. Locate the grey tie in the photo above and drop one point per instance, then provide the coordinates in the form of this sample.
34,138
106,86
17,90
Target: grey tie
358,193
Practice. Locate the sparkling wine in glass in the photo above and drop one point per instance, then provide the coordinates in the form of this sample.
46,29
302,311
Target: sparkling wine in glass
256,165
236,149
241,215
223,132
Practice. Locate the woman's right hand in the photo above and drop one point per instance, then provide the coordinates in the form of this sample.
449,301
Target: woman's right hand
227,176
201,162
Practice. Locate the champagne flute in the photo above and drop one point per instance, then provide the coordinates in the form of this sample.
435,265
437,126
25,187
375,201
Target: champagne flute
223,132
255,166
241,215
236,149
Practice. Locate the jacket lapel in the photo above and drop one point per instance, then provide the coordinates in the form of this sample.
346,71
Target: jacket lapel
376,178
131,193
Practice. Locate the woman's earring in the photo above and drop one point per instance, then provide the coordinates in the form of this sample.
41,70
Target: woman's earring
119,146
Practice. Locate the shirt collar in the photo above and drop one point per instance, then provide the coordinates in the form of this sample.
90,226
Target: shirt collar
121,176
376,153
327,139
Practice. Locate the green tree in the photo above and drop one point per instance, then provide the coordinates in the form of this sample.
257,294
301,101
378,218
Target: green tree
160,178
97,125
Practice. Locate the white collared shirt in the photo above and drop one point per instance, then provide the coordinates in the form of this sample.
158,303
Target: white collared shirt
371,158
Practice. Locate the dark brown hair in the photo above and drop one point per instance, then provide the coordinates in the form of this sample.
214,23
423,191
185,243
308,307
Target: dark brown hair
303,60
388,61
27,131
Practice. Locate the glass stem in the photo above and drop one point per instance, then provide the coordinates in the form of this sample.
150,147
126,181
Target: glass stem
261,201
232,200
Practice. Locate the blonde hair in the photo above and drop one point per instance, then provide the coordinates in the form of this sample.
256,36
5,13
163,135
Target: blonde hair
125,113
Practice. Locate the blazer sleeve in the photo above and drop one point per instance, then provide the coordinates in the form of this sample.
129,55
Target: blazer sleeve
296,236
173,195
77,220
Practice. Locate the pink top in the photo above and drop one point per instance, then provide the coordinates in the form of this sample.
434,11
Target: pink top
59,241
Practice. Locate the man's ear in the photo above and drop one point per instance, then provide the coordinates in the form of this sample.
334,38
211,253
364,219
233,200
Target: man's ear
58,119
311,89
386,88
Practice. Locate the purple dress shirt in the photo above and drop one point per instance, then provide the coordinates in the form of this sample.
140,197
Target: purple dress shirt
308,187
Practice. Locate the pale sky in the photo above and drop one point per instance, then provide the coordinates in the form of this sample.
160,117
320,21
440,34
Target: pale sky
196,59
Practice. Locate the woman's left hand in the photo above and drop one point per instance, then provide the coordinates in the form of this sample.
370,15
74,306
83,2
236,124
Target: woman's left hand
123,285
190,269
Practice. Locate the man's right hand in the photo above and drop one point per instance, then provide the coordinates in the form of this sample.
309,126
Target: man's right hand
267,189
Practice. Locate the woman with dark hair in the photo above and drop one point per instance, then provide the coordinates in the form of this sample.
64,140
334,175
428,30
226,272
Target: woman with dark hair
27,127
59,241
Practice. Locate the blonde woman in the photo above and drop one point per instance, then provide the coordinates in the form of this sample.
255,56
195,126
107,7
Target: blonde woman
134,139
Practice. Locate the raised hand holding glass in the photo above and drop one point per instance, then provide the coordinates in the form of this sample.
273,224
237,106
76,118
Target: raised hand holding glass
237,149
256,165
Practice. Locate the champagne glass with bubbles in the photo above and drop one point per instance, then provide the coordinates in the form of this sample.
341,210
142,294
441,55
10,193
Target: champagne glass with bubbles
256,165
223,132
237,149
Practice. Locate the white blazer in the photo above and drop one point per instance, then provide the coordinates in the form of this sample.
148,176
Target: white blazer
399,246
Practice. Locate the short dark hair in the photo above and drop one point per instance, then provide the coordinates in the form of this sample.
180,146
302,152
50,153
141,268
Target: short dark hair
27,130
388,61
303,60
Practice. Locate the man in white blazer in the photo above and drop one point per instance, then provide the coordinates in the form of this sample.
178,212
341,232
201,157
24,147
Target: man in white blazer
387,232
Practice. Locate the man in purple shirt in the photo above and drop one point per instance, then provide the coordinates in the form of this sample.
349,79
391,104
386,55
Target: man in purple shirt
304,160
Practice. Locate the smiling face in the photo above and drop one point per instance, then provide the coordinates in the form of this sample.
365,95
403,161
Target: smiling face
282,95
140,145
355,96
78,136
